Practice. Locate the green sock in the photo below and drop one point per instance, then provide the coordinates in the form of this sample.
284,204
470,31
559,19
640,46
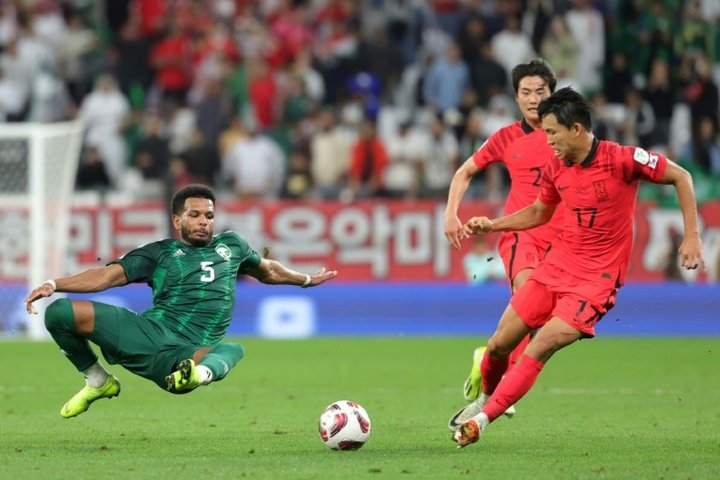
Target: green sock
222,358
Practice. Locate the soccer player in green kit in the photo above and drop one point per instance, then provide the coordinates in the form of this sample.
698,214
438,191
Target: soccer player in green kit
177,342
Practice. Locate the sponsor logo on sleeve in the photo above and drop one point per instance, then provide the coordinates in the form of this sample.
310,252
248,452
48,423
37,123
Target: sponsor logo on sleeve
641,156
653,161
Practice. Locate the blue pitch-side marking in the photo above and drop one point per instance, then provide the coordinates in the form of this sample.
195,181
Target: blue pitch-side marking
658,309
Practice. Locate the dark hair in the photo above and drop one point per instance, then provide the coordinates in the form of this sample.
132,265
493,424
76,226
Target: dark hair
569,107
195,190
534,68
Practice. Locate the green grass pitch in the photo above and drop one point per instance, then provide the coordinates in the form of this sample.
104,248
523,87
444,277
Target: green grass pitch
606,408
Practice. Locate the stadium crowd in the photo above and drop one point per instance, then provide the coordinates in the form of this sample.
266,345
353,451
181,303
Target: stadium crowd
343,99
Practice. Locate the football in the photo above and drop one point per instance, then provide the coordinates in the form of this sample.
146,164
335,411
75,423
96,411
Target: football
344,425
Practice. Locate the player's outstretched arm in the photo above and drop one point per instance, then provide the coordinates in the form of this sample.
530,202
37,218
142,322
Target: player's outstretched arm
273,272
461,180
88,281
691,255
537,213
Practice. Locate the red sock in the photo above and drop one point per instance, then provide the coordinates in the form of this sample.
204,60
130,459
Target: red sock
492,370
513,387
519,350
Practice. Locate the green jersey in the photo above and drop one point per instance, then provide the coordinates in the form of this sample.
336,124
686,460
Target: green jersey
193,287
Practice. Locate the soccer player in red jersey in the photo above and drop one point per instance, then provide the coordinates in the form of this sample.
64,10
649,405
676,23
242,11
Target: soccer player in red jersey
576,283
522,147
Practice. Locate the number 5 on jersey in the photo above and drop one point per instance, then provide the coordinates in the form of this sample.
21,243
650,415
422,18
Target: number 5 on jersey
209,274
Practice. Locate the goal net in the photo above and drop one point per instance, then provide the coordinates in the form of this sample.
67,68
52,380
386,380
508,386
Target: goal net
38,166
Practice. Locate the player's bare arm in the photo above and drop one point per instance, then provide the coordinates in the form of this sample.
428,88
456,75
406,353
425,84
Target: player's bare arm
535,214
461,180
88,281
275,273
691,256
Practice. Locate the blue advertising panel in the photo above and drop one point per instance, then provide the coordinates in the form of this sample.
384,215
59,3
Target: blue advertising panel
397,309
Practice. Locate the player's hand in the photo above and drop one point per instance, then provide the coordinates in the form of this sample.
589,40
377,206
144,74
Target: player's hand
691,256
454,231
478,226
44,290
322,276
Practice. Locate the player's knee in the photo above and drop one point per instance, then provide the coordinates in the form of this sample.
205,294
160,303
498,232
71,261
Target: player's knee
497,348
59,315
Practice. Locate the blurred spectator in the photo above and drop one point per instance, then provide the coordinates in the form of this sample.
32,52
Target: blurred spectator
375,55
180,126
92,174
471,35
309,78
488,183
171,59
537,20
447,15
262,89
235,131
560,50
212,114
179,176
130,61
618,79
482,263
201,160
660,94
489,77
441,160
639,120
700,92
406,151
255,167
511,45
704,148
74,50
405,21
48,22
654,37
329,157
298,183
152,155
8,23
588,29
500,112
13,98
367,164
446,81
695,33
335,54
49,98
106,113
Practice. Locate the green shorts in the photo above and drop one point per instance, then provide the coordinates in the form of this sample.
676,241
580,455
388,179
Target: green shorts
142,345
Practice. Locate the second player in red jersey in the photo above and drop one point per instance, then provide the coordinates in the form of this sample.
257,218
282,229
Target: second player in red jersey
520,146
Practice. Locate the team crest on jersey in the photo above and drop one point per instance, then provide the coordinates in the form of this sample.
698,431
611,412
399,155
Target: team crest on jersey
223,251
600,191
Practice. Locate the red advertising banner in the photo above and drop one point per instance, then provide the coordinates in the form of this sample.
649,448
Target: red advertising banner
365,241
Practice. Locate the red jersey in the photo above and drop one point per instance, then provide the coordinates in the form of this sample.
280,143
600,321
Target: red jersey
598,197
524,151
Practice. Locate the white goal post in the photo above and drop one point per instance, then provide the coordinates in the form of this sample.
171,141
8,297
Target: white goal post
38,167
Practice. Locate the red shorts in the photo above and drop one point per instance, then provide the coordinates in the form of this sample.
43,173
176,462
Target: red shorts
553,292
519,251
